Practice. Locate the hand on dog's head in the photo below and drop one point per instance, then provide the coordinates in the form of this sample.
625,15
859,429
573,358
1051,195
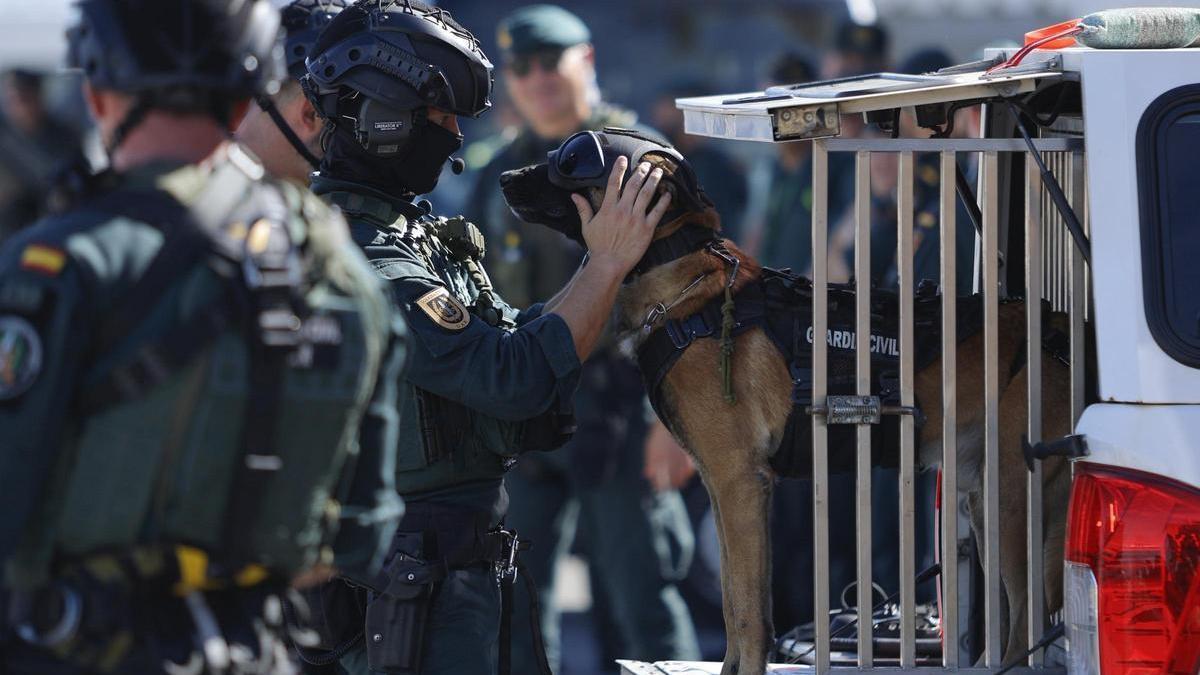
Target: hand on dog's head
534,197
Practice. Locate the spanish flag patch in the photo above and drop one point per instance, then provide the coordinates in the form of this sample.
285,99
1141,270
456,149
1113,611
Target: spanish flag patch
43,259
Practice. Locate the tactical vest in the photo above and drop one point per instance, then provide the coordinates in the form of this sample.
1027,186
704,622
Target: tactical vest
781,305
442,443
221,399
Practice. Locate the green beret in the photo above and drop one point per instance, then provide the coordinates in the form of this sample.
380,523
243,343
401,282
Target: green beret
540,27
870,41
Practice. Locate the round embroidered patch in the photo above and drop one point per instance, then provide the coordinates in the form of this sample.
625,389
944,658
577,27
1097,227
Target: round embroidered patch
20,356
445,309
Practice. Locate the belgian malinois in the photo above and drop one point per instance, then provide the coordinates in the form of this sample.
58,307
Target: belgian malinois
732,419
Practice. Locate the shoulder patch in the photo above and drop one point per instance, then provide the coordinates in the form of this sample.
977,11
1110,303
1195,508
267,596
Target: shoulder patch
444,309
43,259
20,356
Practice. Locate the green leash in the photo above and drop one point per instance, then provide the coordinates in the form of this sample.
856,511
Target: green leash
727,322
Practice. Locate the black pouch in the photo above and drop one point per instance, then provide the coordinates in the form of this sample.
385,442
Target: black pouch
331,623
546,432
397,616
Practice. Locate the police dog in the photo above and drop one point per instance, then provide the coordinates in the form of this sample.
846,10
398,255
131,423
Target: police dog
732,443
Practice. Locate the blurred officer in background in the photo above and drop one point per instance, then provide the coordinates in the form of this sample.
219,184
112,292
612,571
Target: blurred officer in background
723,177
185,358
639,540
927,198
550,76
780,215
34,148
858,49
283,129
486,383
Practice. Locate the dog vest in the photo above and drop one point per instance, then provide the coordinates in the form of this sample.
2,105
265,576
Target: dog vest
781,304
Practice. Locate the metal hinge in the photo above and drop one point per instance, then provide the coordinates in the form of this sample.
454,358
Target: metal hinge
856,410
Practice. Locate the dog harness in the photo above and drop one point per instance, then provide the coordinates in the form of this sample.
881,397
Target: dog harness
781,304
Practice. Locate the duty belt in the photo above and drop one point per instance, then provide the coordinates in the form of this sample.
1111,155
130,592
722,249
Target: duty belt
455,539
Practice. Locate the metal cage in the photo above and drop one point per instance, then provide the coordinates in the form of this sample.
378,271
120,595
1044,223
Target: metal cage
1054,270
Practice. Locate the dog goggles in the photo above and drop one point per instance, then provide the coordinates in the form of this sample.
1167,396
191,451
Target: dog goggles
579,159
585,159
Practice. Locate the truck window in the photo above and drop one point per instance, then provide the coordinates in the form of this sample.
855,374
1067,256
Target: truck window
1168,151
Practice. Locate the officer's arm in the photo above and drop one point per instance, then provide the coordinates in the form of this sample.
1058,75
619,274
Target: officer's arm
556,299
513,375
617,236
42,339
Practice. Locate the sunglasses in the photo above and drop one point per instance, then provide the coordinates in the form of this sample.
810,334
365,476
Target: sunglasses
521,64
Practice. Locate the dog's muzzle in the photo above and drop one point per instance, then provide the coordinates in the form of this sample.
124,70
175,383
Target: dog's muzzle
534,199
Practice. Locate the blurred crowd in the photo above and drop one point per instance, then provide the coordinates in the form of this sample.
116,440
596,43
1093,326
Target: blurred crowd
624,496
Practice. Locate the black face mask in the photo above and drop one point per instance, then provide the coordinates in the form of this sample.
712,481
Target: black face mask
412,172
427,154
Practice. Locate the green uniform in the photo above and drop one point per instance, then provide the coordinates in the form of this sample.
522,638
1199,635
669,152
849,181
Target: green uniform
477,394
185,358
640,543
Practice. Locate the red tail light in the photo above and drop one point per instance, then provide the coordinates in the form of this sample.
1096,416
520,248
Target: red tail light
1140,535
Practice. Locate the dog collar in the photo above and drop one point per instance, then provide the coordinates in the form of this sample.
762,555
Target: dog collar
685,240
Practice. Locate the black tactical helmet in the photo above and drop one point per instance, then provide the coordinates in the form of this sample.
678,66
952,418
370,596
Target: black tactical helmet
187,55
402,56
303,21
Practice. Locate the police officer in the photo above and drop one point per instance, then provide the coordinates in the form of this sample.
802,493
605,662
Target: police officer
927,198
185,359
486,382
283,129
639,539
781,195
550,78
34,147
723,176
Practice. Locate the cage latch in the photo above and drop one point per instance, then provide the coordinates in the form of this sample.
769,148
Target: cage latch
856,410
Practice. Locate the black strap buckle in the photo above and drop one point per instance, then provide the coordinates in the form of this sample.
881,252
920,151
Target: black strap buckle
683,331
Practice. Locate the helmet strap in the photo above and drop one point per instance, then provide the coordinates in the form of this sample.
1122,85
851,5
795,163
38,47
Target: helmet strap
135,116
271,109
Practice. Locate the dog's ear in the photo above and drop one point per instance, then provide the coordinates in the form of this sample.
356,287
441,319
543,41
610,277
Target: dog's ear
595,197
687,200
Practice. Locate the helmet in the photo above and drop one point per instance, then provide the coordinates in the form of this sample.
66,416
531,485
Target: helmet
194,56
187,55
402,57
303,21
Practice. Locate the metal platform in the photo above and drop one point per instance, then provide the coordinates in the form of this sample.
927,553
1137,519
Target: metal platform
714,668
813,110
